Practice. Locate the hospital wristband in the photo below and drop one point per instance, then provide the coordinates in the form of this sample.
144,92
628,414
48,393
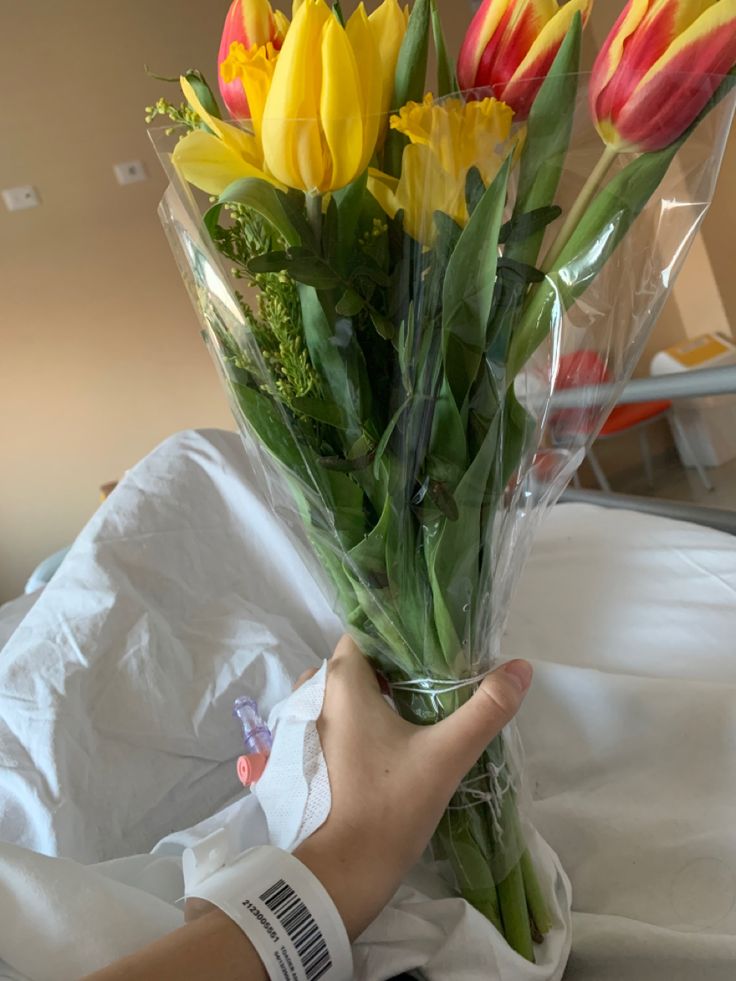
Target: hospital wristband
285,912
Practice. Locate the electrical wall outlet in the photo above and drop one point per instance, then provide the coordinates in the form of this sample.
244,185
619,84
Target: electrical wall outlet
130,172
20,198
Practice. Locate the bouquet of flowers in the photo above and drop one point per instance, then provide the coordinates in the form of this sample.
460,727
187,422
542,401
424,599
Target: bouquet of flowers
393,285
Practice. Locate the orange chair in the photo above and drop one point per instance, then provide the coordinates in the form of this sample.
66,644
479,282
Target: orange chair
585,368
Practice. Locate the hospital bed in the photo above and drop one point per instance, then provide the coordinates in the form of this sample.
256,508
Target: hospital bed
183,592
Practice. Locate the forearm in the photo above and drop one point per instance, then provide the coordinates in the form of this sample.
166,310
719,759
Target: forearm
210,947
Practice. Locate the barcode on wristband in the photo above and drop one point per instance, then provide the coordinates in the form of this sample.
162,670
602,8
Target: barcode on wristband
301,928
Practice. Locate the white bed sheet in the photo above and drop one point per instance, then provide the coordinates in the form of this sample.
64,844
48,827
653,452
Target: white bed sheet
13,613
182,593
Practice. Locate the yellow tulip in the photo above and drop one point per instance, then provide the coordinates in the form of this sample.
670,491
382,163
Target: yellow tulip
321,117
389,23
213,160
446,139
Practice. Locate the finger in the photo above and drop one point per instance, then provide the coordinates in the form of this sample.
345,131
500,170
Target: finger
304,676
460,739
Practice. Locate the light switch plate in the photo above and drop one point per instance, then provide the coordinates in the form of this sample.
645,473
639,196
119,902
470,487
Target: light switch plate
130,172
20,198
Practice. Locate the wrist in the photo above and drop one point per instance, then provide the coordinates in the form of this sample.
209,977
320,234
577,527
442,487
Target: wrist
358,891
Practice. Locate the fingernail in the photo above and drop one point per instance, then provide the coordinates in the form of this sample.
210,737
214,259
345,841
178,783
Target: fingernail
520,672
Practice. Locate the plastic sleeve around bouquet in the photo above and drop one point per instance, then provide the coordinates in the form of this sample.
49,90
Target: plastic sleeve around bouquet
393,363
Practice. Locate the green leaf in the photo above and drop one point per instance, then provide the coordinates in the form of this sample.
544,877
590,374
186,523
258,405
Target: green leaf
349,202
446,81
294,209
382,324
312,272
370,269
468,288
344,464
349,304
441,495
269,422
270,262
337,11
411,72
548,136
339,362
262,198
522,225
326,412
474,190
453,547
204,93
447,453
520,270
211,220
387,434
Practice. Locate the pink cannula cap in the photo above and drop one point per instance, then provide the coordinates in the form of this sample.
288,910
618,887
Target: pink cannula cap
251,767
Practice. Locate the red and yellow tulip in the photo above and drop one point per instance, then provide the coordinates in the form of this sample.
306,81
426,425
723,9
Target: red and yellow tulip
658,67
511,44
249,24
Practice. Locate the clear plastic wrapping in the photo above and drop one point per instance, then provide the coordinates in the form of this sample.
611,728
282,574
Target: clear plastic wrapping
393,365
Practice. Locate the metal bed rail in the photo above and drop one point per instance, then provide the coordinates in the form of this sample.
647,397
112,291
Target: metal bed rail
702,383
683,385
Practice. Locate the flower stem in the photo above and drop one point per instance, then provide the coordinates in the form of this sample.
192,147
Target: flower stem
512,900
314,215
579,207
534,896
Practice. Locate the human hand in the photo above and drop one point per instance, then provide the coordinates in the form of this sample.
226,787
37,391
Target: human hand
390,780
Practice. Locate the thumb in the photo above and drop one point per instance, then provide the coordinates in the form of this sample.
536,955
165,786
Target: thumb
460,739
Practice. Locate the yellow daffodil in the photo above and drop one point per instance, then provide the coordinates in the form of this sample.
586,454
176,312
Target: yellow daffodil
321,118
213,160
446,139
253,68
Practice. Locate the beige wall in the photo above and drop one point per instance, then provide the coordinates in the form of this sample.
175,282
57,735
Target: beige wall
100,356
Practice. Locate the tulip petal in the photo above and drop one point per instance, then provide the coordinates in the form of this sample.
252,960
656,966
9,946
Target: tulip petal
205,161
342,105
232,92
680,83
281,23
527,79
257,20
361,34
659,28
293,144
522,24
388,23
482,29
610,55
